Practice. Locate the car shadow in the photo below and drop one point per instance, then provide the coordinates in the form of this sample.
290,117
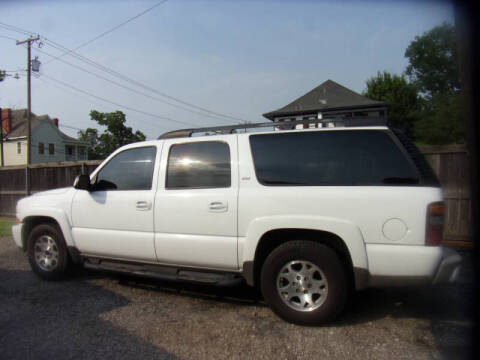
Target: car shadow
448,308
60,320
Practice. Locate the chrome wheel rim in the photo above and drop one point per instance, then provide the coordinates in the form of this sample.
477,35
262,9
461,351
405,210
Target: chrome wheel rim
46,253
302,285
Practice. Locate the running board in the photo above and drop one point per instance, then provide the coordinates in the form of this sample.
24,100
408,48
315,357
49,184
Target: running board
165,272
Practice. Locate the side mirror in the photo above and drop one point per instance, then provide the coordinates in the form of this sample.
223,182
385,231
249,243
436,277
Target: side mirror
82,182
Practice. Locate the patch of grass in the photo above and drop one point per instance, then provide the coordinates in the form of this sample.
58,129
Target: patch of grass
6,226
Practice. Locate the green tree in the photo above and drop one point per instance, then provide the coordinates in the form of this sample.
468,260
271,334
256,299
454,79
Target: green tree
90,136
433,65
433,69
441,121
401,97
114,136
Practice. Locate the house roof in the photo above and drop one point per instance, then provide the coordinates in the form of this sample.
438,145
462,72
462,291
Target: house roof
20,125
328,96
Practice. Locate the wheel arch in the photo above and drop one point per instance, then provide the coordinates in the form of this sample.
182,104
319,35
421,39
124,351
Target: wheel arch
30,222
356,263
55,217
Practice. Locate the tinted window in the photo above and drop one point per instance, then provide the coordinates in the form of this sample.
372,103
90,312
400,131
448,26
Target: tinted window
199,165
129,170
360,157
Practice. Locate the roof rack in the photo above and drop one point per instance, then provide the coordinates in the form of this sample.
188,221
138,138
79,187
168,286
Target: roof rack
284,125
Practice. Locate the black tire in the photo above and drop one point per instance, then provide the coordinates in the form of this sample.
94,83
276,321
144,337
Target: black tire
322,257
57,262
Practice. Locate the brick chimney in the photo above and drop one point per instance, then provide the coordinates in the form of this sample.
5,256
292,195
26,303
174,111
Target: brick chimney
55,121
6,120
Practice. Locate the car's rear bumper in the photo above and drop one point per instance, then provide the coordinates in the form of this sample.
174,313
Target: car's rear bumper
449,267
17,235
394,265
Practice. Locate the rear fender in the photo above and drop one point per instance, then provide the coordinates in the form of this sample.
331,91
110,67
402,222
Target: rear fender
347,231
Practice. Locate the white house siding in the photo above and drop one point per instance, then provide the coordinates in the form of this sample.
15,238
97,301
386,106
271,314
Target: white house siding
45,133
11,154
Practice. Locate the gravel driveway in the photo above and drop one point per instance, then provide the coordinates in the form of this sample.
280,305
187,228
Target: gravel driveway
94,315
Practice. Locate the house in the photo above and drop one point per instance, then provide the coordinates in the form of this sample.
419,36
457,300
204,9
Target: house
49,144
326,101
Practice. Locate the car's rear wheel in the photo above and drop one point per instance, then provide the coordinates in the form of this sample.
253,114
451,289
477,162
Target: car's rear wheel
304,282
47,252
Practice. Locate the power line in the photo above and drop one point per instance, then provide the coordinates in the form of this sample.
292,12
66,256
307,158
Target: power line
129,88
109,31
15,29
8,37
16,71
139,84
125,78
74,94
70,127
64,89
116,104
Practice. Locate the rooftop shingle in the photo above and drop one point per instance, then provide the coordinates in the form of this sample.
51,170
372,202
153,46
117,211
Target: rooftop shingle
19,125
327,96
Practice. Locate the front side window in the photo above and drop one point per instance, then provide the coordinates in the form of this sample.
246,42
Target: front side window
199,165
360,157
129,170
19,147
41,148
51,149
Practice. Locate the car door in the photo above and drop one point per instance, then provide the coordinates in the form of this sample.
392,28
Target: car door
115,218
196,203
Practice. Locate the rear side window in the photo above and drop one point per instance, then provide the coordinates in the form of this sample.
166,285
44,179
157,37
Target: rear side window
199,165
427,174
360,157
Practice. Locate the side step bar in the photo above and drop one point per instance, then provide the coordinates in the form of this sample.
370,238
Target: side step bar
165,272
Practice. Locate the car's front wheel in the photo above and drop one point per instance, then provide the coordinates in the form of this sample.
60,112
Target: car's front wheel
47,252
304,282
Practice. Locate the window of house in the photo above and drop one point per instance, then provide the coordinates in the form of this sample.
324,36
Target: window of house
41,148
129,170
19,147
366,157
81,152
69,150
51,149
360,113
199,165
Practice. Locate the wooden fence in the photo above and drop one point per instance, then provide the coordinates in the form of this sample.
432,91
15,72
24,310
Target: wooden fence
14,180
450,163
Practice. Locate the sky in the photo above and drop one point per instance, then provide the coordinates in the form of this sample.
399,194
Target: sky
237,58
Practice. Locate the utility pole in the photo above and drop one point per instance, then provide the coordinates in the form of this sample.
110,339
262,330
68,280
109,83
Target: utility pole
29,110
29,95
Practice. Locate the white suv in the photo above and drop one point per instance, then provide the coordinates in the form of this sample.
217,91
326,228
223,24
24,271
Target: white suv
306,215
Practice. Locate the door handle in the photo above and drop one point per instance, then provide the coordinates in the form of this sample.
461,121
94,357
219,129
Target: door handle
143,205
218,206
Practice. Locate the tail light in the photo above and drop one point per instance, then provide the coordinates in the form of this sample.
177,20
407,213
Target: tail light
435,220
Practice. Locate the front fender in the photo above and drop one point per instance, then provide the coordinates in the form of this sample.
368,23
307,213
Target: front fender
56,214
345,230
